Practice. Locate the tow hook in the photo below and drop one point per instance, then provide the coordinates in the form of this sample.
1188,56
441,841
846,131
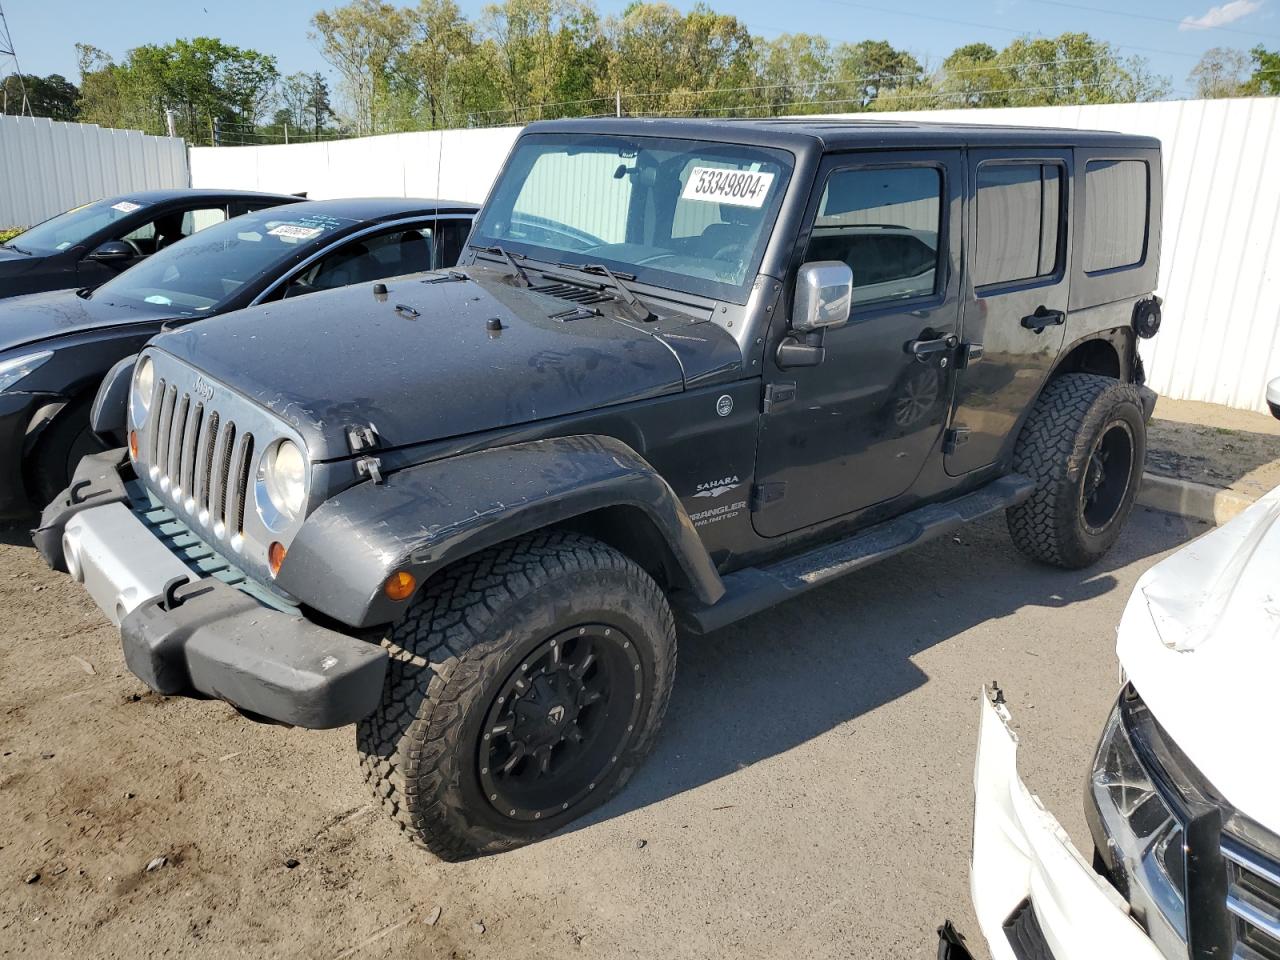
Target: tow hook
951,943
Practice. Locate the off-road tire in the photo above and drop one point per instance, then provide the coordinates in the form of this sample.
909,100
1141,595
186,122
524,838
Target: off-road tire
1069,420
58,450
466,633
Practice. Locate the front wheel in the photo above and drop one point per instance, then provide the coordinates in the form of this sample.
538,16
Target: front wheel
525,686
1084,446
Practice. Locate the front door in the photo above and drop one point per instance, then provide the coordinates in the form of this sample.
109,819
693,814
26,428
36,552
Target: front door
856,429
1016,309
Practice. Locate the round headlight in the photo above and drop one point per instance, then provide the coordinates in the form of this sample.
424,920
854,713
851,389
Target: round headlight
143,382
285,477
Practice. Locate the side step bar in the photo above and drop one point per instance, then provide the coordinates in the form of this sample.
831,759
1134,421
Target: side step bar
754,589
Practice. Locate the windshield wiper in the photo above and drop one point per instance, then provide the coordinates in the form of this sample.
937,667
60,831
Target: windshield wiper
84,293
635,308
14,246
521,275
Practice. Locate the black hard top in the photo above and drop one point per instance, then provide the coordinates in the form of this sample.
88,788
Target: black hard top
379,208
803,133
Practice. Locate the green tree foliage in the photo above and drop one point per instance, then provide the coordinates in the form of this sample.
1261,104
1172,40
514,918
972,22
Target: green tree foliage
1220,73
201,81
53,96
1265,81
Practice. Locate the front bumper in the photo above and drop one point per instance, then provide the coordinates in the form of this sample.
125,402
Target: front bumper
187,635
1035,896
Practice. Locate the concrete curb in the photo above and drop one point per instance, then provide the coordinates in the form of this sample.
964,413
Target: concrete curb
1197,501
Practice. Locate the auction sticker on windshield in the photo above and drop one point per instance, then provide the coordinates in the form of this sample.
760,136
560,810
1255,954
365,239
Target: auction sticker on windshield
125,206
294,231
739,188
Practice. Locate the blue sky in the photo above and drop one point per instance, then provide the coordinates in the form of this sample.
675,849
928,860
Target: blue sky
44,31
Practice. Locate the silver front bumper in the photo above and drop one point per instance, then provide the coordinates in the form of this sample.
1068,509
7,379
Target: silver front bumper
118,559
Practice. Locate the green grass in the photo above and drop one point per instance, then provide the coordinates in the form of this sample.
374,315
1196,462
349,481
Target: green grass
7,233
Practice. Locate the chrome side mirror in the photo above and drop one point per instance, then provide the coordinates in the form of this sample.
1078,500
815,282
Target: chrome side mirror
1273,397
824,296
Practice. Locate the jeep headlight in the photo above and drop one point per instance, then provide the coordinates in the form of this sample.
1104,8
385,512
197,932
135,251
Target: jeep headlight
283,480
144,378
14,369
1145,838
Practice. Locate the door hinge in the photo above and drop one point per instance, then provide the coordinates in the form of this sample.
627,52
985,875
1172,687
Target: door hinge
777,394
968,355
370,467
763,494
953,438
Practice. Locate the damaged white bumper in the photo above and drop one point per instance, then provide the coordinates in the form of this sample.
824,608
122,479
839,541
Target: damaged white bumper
1021,856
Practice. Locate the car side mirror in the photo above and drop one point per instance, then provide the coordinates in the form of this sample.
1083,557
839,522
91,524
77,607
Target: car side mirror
824,296
112,252
1273,397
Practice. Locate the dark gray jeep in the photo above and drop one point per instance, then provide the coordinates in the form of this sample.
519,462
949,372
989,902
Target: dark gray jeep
686,369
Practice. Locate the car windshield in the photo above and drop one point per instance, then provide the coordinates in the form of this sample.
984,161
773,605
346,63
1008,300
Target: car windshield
685,214
75,226
198,274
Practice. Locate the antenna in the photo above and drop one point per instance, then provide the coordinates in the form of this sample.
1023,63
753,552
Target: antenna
6,50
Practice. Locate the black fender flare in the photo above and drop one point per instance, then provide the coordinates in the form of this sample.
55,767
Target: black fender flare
425,517
109,415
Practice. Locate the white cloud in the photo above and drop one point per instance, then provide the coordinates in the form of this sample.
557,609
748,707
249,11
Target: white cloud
1221,16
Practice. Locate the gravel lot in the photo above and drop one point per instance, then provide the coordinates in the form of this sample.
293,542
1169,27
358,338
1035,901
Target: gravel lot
810,794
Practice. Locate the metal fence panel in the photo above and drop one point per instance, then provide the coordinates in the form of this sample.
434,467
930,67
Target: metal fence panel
47,166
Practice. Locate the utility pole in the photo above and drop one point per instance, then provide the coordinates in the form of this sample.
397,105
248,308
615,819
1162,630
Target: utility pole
7,50
617,103
286,133
170,122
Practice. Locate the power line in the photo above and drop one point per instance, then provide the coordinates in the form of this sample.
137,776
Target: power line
1152,17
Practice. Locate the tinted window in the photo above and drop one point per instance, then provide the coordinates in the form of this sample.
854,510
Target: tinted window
1115,221
884,224
371,258
1019,215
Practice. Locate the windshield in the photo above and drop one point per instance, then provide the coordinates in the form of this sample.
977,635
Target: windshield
685,214
199,273
75,226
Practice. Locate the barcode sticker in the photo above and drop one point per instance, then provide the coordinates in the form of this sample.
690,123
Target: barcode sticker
125,206
739,188
293,231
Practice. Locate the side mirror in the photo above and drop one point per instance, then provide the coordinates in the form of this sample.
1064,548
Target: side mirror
824,296
1273,397
112,252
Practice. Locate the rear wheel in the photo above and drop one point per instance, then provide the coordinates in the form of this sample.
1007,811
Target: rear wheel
525,686
1084,445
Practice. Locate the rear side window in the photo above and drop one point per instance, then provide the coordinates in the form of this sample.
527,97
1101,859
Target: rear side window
884,224
1117,201
1019,222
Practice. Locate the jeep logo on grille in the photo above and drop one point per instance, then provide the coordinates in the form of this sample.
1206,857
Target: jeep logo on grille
204,389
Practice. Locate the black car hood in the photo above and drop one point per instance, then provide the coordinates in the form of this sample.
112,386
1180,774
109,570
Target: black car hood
13,263
39,316
421,363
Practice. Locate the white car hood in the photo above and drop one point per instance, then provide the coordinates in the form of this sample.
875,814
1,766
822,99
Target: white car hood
1200,640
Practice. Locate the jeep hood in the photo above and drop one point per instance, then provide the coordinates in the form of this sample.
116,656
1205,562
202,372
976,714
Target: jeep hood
1200,640
420,362
39,316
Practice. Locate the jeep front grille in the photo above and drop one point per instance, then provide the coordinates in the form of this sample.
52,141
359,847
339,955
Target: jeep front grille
198,458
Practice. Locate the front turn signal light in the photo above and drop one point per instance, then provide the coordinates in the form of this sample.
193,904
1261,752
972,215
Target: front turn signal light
275,556
133,445
400,585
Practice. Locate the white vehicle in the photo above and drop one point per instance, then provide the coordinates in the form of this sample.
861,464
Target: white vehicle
1183,797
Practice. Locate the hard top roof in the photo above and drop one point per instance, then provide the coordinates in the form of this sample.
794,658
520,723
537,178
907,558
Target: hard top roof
843,133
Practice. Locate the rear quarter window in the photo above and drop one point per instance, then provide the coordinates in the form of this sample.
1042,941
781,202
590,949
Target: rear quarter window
1117,205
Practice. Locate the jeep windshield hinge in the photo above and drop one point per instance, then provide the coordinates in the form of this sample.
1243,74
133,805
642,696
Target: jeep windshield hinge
763,494
954,438
777,394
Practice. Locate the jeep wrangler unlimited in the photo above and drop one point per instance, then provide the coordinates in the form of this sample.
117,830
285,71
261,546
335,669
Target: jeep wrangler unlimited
687,369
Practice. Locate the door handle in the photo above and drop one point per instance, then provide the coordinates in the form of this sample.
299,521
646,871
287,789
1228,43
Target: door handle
1044,317
923,350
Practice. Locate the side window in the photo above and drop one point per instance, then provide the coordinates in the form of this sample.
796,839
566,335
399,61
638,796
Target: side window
1117,203
169,228
1019,222
885,225
400,251
451,235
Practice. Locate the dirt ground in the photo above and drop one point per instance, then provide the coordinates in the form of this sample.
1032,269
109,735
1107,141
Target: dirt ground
1215,445
810,794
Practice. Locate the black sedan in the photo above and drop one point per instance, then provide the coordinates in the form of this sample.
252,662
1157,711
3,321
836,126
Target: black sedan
89,245
56,347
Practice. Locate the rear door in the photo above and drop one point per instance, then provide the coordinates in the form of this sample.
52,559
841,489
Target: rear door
1016,306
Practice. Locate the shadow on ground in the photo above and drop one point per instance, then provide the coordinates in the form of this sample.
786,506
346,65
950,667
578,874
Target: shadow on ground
773,682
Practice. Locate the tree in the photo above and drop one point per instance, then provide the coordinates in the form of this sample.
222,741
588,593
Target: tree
53,96
793,72
1265,80
1220,73
361,41
871,70
429,72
